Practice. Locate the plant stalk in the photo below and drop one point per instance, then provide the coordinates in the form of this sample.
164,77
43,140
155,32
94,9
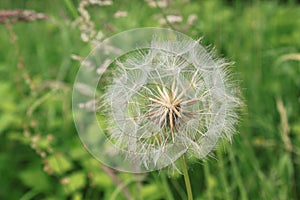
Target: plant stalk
186,179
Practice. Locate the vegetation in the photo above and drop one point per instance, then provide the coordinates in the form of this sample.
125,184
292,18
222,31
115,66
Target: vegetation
41,156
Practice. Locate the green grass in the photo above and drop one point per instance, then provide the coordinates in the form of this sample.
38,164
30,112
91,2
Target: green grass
41,156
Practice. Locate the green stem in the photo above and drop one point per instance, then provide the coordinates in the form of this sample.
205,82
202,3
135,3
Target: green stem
186,179
166,187
72,8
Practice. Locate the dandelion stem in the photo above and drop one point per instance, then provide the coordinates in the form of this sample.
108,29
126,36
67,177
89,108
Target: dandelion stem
186,179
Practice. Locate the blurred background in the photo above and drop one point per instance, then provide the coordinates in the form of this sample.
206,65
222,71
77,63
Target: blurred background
41,46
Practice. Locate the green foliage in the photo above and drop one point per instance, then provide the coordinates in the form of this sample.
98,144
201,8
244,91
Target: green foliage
41,156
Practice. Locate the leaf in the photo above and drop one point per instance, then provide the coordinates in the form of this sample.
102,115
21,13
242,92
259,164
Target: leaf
7,121
59,163
78,152
35,178
101,180
151,191
75,182
77,196
18,136
8,108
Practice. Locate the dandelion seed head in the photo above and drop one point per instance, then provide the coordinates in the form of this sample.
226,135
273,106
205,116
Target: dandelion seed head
161,95
170,94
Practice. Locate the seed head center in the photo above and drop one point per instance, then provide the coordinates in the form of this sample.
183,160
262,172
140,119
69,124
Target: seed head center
165,107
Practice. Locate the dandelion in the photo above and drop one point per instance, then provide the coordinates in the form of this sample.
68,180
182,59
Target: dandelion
166,101
148,97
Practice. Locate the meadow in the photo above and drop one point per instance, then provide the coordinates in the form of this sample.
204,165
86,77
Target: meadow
41,155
